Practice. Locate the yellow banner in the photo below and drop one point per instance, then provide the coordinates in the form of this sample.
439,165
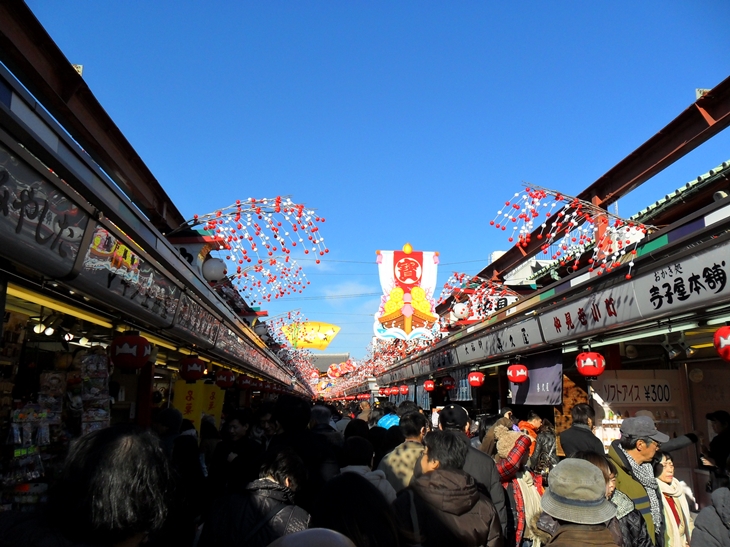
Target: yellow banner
189,399
312,334
213,402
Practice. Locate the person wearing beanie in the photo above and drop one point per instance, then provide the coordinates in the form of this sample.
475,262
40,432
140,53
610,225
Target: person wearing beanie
576,498
523,489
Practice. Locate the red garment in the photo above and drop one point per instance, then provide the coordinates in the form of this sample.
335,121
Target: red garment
508,469
673,507
528,429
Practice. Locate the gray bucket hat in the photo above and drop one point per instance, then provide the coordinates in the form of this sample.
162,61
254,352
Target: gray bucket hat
577,494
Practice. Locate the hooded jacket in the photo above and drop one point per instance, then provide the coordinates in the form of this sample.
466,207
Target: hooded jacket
712,525
582,535
445,507
634,490
233,518
377,478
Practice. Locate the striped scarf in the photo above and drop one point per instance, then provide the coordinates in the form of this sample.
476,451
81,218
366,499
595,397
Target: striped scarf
644,473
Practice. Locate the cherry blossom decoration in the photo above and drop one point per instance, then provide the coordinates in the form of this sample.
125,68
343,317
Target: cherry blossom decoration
475,298
259,237
576,227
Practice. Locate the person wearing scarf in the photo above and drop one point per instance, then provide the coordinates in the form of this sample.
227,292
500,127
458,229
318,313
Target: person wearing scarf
632,455
674,499
523,489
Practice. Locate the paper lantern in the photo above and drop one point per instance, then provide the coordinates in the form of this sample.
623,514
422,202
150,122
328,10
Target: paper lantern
350,398
130,350
394,390
429,385
448,383
256,384
382,391
461,310
517,373
214,269
224,378
590,364
191,368
403,390
722,343
243,381
476,379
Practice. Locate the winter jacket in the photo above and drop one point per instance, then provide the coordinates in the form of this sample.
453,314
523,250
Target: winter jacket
544,458
484,471
629,522
388,421
445,507
626,483
712,525
582,535
580,438
399,464
489,443
20,529
377,478
232,519
546,527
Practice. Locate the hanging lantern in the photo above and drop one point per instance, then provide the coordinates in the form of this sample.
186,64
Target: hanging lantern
256,384
394,390
590,364
382,391
224,378
461,310
722,342
350,398
476,379
448,383
243,381
403,390
517,373
130,350
429,385
191,368
214,269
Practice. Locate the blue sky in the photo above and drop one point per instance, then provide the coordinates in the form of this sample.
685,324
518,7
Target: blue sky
398,121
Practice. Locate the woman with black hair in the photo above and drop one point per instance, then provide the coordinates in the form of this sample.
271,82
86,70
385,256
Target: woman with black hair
113,491
266,509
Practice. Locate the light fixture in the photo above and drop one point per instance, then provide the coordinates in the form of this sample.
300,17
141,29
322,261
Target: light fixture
83,341
52,303
719,320
639,335
68,337
686,347
671,352
39,328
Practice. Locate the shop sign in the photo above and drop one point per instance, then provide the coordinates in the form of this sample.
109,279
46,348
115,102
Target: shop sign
685,284
195,321
544,385
39,226
213,402
514,338
114,273
189,399
600,311
630,391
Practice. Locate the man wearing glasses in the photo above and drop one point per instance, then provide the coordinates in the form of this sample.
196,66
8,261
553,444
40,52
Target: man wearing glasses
633,454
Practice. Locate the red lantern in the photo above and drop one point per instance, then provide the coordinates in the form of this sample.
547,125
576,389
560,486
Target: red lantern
517,373
590,364
394,390
243,381
130,350
382,391
191,368
429,385
224,379
722,342
476,379
448,383
350,398
403,390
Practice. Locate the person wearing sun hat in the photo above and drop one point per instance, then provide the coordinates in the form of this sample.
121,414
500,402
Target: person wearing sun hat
576,498
632,455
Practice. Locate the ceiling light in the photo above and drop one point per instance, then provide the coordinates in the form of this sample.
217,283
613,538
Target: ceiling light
719,320
40,300
39,328
671,352
686,347
83,341
68,337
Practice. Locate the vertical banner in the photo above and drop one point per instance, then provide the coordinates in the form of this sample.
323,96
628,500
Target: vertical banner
544,385
189,399
213,402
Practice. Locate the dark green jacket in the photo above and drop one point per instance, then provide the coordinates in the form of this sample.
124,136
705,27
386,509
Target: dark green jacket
626,483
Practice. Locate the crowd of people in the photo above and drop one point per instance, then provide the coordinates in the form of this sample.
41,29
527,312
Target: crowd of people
290,473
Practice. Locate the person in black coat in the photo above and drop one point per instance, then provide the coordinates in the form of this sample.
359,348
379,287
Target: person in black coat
264,512
712,525
579,436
